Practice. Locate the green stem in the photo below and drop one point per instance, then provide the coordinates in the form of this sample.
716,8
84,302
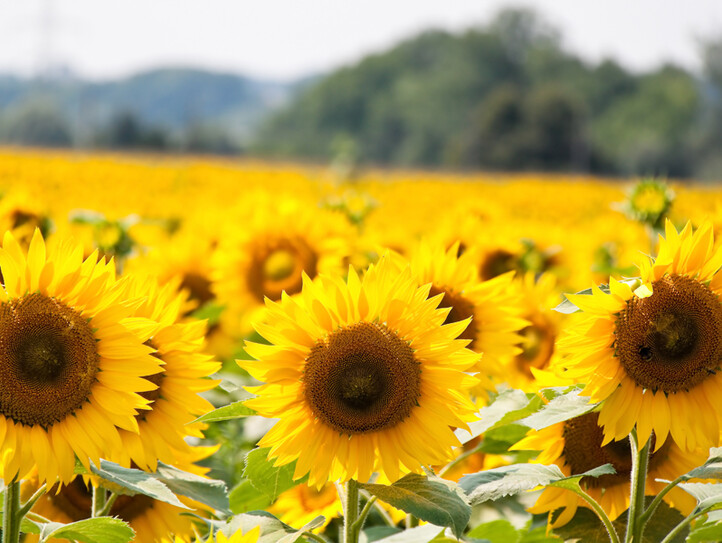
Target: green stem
11,513
108,505
315,537
98,501
682,525
638,483
25,509
364,513
463,456
658,499
351,512
384,514
613,536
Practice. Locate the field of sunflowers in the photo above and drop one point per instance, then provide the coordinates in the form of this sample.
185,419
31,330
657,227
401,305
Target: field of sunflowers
211,350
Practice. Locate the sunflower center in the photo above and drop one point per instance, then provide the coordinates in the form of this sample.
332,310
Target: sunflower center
363,378
49,359
583,451
278,266
461,309
199,287
75,500
537,344
497,263
670,341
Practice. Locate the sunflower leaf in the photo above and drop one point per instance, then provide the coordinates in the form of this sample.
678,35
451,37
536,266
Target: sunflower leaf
432,499
509,406
92,530
244,497
708,495
509,480
235,410
135,481
267,478
563,407
211,492
420,534
496,531
272,529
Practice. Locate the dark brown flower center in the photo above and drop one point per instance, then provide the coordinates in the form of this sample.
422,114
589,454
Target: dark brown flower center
278,266
671,340
362,378
497,263
48,360
461,309
199,287
75,500
537,344
583,451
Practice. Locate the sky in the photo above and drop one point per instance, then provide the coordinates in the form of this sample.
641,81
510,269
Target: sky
287,39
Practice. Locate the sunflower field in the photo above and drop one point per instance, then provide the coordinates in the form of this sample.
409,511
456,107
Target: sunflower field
199,350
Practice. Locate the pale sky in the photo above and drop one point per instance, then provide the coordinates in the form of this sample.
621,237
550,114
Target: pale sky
286,39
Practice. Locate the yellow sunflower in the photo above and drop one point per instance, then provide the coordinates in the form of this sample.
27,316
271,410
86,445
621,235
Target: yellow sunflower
301,504
268,252
175,401
576,446
657,350
493,306
363,376
539,335
73,360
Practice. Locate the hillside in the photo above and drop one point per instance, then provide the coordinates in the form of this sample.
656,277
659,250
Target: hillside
505,96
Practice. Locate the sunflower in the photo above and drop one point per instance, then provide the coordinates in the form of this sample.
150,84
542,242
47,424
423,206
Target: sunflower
493,305
363,376
72,360
21,213
175,401
269,254
656,350
540,334
302,503
577,445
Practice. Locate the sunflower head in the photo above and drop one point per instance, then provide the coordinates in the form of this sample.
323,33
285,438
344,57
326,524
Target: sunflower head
655,350
650,201
363,376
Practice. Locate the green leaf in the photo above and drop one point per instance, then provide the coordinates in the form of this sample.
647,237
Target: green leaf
706,532
432,499
496,531
272,529
708,495
563,407
498,440
235,410
246,498
572,483
508,480
509,406
586,526
538,535
210,492
212,311
136,482
265,477
420,534
375,533
92,530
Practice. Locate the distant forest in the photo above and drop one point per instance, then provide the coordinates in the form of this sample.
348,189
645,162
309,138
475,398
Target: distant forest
505,96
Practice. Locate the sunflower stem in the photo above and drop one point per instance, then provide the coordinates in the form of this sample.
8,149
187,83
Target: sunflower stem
601,514
658,499
11,513
98,501
638,483
351,513
25,509
108,505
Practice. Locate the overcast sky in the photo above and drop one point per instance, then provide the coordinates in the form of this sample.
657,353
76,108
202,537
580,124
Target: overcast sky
286,39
